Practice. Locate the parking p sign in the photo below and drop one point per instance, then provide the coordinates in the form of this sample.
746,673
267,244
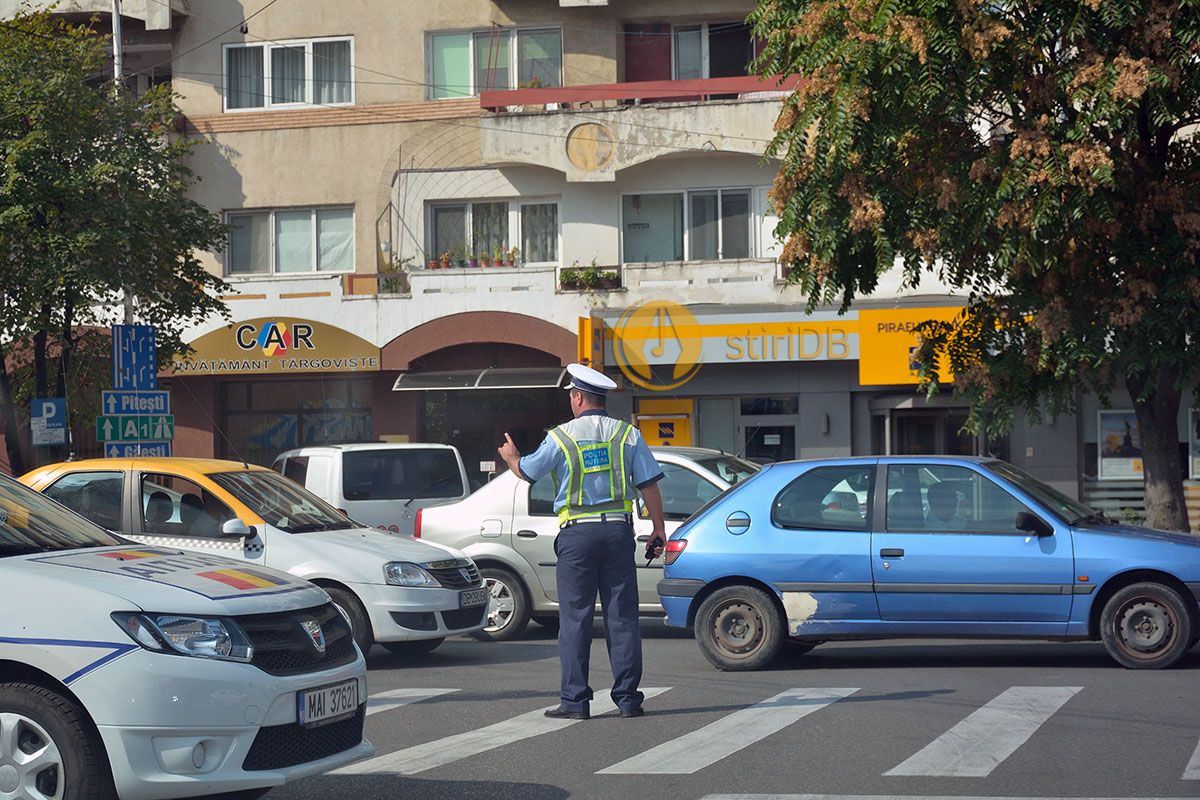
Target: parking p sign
48,421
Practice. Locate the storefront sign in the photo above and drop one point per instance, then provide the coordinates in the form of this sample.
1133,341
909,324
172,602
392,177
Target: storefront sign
278,346
1119,446
888,343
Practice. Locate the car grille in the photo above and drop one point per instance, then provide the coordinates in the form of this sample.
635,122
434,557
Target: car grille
464,618
280,746
458,573
282,645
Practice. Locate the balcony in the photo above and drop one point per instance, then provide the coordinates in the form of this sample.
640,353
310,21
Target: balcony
610,127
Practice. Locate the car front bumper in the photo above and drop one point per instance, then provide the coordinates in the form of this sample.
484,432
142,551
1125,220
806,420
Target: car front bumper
407,613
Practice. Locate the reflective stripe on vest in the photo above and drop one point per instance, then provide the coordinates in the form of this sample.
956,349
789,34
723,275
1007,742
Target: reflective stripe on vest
620,492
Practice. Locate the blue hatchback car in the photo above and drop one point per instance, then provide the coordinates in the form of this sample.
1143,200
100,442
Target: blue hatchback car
887,547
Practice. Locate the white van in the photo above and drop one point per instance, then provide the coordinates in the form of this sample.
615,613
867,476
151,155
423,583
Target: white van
380,484
148,673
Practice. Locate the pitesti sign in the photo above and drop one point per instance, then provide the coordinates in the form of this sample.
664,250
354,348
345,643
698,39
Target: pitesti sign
278,346
660,345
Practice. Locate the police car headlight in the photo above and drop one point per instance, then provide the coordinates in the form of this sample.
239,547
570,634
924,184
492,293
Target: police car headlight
202,637
402,573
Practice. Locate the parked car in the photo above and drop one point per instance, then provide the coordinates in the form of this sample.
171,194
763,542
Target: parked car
945,546
508,527
143,672
379,483
404,594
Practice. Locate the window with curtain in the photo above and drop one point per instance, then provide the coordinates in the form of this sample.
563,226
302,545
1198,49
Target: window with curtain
486,226
290,241
465,63
702,225
290,73
713,50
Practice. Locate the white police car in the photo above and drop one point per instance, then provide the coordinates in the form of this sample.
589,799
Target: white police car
143,672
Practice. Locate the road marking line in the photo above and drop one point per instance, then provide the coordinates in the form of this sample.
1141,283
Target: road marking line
726,736
1192,773
449,749
978,744
394,698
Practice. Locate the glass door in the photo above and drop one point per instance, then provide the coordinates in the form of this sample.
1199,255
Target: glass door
768,427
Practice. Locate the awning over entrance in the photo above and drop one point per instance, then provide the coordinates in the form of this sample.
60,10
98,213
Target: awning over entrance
489,378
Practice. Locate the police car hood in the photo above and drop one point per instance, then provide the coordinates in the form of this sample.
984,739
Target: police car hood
164,579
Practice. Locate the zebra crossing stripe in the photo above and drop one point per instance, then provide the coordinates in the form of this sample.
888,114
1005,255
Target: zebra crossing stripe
726,736
447,750
978,744
1192,773
386,701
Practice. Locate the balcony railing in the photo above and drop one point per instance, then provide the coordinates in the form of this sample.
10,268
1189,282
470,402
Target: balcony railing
599,95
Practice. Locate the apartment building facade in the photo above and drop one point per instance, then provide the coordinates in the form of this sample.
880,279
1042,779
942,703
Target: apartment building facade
383,162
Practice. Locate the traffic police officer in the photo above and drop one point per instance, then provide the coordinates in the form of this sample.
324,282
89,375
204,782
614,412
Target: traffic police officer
597,462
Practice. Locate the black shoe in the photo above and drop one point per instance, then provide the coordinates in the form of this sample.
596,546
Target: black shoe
566,713
636,711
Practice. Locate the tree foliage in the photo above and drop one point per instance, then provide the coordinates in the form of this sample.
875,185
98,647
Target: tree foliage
92,202
1039,156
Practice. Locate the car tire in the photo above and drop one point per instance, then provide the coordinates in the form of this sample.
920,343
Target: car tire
413,647
739,629
1146,626
50,747
360,624
508,605
549,622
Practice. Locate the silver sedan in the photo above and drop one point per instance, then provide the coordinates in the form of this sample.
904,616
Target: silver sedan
508,527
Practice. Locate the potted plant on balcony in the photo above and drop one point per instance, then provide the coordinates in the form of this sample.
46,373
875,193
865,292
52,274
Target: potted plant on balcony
511,258
498,255
393,277
446,259
589,277
533,83
484,259
461,254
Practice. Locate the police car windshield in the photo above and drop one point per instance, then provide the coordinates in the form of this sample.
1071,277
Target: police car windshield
282,502
30,522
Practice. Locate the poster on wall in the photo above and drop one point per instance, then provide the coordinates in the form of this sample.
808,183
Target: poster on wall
1195,439
1120,447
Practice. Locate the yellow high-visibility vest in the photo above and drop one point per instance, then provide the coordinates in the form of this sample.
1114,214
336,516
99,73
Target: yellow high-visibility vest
591,458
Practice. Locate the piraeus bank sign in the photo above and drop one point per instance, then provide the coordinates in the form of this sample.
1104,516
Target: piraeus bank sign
278,346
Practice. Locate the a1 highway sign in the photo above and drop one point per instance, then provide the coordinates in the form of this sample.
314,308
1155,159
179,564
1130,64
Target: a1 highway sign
140,428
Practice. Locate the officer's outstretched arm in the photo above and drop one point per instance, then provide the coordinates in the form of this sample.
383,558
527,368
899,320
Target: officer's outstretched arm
511,455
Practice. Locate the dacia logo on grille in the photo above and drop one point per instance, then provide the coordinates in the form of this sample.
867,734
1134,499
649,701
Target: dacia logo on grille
466,575
313,628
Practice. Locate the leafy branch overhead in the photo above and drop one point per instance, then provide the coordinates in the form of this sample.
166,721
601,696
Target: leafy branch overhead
1039,156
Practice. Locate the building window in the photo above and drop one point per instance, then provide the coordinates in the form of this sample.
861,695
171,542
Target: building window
465,230
464,63
712,50
293,240
292,73
702,225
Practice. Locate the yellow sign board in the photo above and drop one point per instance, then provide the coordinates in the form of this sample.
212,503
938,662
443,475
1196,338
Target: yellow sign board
887,343
661,429
278,346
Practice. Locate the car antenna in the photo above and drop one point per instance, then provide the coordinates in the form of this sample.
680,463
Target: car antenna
216,427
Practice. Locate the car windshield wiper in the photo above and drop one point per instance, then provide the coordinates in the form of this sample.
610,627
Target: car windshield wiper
1095,518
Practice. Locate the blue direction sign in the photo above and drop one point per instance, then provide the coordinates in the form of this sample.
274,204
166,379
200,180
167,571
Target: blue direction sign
134,402
134,357
138,449
48,421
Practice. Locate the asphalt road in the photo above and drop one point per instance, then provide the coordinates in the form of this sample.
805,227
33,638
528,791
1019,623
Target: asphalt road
859,719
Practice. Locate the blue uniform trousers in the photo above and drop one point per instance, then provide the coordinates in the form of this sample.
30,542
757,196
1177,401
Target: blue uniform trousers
598,557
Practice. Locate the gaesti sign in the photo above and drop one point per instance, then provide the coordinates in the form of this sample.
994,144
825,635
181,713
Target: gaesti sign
277,346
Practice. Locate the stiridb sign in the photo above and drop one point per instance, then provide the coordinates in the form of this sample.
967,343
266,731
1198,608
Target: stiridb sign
661,333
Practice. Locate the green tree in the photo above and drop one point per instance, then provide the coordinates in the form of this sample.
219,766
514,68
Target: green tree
92,202
1037,155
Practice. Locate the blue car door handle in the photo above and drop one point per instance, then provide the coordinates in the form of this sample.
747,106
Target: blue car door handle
891,552
527,534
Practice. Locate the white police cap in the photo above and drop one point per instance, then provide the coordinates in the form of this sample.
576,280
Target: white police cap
587,379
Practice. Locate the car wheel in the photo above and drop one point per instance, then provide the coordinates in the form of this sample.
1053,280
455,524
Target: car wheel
508,605
739,628
414,647
1146,626
360,625
48,747
547,622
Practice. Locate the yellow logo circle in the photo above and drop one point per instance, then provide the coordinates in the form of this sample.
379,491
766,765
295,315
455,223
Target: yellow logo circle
664,327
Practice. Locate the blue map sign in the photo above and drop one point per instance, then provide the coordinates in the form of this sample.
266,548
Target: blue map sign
48,421
134,357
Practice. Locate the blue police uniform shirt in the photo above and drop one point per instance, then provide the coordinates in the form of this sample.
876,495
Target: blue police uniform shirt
590,427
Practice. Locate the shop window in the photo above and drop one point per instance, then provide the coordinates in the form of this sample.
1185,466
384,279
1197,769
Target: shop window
701,225
465,230
288,74
464,63
285,241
